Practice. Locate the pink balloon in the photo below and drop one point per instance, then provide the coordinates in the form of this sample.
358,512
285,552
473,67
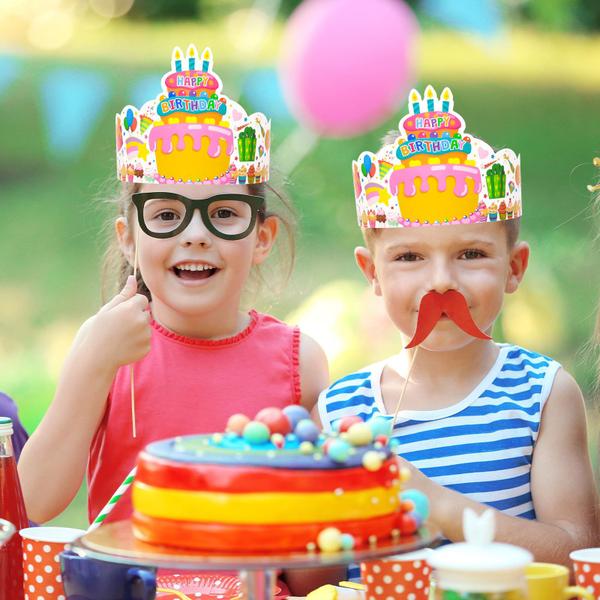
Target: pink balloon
347,64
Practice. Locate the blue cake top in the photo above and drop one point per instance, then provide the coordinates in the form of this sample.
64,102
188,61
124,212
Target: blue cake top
231,449
287,439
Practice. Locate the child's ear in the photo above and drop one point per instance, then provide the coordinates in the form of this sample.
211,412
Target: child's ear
125,239
364,260
519,259
266,234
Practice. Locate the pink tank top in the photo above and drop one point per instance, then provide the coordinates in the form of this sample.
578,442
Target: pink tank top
185,386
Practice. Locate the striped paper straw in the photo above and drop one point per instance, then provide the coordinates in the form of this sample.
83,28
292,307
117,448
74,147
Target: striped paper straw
113,501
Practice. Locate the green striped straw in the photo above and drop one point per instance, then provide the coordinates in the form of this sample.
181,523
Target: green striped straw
113,501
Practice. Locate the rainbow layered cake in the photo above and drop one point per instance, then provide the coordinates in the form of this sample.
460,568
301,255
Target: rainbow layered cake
272,484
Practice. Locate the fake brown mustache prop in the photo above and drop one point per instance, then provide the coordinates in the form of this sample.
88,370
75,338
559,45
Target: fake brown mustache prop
452,304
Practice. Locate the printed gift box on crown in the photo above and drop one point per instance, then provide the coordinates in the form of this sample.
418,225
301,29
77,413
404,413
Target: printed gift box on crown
192,132
434,173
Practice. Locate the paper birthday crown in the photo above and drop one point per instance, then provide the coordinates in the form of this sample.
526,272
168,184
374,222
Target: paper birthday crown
434,173
191,132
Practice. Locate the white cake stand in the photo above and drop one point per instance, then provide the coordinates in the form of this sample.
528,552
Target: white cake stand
115,543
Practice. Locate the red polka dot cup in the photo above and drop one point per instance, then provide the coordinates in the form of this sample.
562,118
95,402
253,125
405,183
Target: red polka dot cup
586,564
404,576
41,564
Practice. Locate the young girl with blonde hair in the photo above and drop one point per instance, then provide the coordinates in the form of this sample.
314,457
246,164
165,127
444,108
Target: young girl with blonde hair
192,225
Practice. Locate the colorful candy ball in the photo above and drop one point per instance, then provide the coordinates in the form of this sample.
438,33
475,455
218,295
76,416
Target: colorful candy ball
372,460
256,433
417,518
325,446
420,502
307,431
347,422
295,413
405,474
347,541
307,448
236,424
330,540
275,419
382,439
278,440
359,434
339,450
380,426
407,524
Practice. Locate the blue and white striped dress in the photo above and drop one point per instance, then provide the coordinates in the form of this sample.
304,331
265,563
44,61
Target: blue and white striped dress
481,446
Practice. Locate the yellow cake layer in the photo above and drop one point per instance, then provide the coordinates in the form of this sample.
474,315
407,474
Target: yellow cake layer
263,508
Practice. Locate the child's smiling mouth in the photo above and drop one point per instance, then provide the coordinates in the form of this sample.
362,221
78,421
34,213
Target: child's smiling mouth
191,271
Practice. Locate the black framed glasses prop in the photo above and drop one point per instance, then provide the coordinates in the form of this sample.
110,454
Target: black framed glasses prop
167,214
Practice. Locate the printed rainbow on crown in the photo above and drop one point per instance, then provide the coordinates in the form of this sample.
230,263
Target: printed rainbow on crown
192,132
434,173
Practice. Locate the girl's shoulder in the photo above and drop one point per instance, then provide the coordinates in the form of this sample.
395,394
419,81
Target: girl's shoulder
268,321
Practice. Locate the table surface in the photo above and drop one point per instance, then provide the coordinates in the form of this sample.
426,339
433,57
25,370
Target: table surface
115,542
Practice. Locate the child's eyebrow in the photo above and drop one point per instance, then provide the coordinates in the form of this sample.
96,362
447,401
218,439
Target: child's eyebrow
475,242
398,247
413,245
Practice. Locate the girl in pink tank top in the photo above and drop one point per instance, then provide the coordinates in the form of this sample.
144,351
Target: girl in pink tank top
176,331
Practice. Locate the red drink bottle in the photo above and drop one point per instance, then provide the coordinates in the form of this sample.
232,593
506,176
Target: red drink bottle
12,508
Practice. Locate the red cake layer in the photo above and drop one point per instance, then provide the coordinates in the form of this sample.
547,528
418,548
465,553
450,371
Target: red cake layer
168,474
218,537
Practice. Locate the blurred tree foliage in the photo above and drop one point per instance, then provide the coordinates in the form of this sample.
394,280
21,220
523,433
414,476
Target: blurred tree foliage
548,14
563,14
160,10
588,14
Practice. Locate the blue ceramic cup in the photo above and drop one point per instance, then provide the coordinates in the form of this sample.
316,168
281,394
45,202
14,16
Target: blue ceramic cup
89,579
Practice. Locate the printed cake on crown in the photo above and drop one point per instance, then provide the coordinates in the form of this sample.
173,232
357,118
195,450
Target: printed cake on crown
192,132
434,173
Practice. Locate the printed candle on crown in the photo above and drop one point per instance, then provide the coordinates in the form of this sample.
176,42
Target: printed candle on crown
192,132
434,173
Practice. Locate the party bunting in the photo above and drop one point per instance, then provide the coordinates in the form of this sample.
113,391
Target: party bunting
72,100
143,88
10,67
263,90
482,17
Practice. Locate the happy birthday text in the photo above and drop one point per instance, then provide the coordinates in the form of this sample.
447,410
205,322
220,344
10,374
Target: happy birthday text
191,105
439,146
190,81
432,122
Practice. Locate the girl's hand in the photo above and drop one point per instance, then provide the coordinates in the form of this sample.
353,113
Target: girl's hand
120,333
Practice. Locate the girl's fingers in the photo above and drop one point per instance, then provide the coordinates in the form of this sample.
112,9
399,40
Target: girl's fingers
129,290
